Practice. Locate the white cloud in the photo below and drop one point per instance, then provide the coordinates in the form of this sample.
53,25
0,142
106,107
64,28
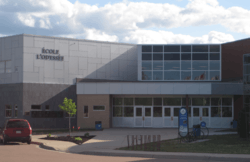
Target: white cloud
166,37
125,21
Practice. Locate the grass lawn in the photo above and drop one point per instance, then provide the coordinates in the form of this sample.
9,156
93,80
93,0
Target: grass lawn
224,144
47,131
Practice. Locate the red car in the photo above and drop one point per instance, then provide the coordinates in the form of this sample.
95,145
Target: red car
18,130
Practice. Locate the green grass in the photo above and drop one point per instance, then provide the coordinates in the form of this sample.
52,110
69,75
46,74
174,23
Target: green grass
224,144
46,131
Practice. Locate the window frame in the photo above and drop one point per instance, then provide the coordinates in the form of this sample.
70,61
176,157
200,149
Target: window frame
36,109
9,110
84,111
15,109
99,105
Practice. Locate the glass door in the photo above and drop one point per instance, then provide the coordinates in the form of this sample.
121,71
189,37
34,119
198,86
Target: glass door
201,114
175,116
147,116
168,116
205,115
138,116
143,116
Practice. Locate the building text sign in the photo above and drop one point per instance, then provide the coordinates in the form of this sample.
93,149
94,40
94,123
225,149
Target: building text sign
50,54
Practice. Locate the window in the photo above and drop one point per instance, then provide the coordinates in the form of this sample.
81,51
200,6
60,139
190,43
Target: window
172,101
200,75
214,48
186,65
185,56
146,65
146,75
98,108
200,101
157,75
226,111
17,124
157,56
184,102
167,112
174,48
176,111
128,111
215,111
35,107
200,56
157,111
185,48
117,101
158,101
172,56
186,75
143,101
200,65
158,65
214,65
214,75
227,101
171,75
128,101
215,101
117,111
16,110
146,49
214,56
196,112
200,48
8,111
47,107
148,111
172,65
146,56
205,112
85,111
157,48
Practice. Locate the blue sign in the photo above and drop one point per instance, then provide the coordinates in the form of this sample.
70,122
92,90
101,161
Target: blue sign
183,122
203,124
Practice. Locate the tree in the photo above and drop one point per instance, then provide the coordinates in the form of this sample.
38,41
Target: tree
69,107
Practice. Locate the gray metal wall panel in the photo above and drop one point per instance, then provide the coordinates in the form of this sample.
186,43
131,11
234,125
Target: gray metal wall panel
232,89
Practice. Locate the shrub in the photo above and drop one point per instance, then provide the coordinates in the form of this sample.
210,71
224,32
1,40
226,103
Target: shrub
78,139
49,135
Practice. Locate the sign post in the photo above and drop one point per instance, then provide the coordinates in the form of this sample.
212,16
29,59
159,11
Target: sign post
183,122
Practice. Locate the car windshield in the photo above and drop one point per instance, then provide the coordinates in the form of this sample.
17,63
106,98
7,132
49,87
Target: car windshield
17,124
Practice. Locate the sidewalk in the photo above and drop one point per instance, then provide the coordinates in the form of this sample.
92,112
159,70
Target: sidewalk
107,141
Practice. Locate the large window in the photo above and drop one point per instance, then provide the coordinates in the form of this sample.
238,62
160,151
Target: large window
180,63
117,111
8,111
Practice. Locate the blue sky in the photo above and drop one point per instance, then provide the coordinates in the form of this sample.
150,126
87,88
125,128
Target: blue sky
148,21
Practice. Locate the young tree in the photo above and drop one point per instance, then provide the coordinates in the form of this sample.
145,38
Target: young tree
69,107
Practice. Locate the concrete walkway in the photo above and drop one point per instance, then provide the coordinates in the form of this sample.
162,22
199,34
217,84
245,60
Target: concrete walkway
108,140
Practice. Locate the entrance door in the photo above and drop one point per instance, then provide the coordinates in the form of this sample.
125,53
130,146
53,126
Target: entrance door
168,116
143,116
171,116
200,114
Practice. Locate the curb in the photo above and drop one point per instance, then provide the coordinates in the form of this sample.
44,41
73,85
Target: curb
41,145
148,155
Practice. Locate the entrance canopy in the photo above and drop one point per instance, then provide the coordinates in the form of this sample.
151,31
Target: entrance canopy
206,88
